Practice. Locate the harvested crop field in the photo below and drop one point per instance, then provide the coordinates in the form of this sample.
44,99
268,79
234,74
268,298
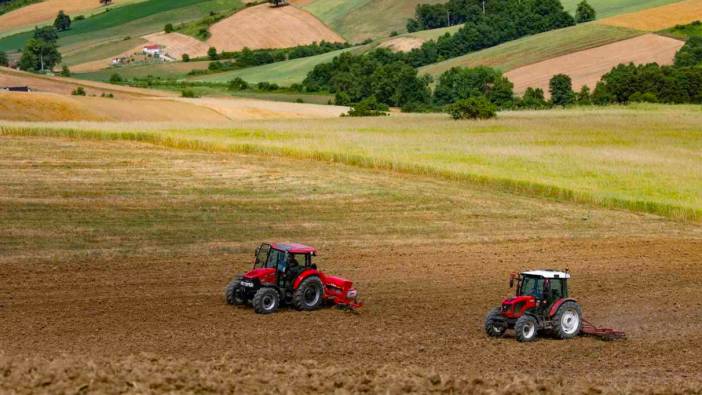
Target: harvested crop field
176,44
268,27
659,18
45,11
587,67
115,254
403,44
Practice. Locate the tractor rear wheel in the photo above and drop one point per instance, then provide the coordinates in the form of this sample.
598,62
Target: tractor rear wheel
568,320
266,301
309,295
526,328
232,294
495,324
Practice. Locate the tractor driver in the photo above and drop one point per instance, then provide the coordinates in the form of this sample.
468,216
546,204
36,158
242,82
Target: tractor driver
293,268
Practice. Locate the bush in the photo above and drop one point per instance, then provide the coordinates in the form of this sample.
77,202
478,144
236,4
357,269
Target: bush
237,84
584,97
3,59
368,107
690,54
462,83
533,99
115,78
472,108
79,91
185,57
299,100
267,86
108,95
65,72
646,97
79,18
189,93
168,28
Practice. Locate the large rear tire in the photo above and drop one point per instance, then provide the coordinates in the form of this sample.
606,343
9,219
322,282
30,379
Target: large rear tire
526,328
232,293
494,324
568,320
309,295
266,301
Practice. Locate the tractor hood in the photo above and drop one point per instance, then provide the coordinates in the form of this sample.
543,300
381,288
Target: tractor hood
338,282
517,299
260,274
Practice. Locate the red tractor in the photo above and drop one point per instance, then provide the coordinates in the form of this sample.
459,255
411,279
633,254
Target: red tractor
541,304
283,273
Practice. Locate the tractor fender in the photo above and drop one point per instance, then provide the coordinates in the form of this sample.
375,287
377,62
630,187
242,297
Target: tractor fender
557,304
305,274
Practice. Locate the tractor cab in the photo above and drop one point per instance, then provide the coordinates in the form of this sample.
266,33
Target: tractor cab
283,273
545,286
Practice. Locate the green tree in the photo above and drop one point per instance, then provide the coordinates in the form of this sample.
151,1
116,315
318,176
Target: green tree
477,107
585,12
41,51
561,89
186,57
168,28
62,21
584,97
212,53
368,107
65,72
238,84
79,91
462,83
3,59
690,54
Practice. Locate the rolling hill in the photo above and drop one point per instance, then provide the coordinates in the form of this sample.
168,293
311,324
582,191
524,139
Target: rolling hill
659,18
606,8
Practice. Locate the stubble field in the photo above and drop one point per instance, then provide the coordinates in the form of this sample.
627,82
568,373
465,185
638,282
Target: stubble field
114,255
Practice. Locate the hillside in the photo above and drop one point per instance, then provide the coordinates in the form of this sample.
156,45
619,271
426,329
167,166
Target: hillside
587,67
263,26
659,18
357,20
606,8
282,73
536,48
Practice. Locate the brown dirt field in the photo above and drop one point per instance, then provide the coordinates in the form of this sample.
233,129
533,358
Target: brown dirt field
659,18
177,44
44,11
403,44
587,67
64,86
265,27
87,308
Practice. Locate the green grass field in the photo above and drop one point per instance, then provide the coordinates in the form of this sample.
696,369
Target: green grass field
171,70
684,32
129,21
607,8
641,158
282,73
536,48
78,54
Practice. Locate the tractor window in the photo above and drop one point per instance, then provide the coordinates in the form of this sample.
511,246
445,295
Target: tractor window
276,259
532,286
262,256
556,289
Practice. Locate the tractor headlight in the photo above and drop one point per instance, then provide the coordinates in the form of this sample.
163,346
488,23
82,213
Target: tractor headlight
352,294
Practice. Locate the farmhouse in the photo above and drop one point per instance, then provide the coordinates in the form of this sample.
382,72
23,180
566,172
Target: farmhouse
152,49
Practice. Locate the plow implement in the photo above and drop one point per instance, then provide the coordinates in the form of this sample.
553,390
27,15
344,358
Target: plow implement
607,334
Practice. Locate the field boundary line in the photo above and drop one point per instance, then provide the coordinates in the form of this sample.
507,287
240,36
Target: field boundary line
519,187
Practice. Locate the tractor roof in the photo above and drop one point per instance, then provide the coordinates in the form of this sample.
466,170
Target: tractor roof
547,274
294,248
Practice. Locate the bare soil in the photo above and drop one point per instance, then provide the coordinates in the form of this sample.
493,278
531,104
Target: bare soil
267,27
587,67
45,11
403,44
95,299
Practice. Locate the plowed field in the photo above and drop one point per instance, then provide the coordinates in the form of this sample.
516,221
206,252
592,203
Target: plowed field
659,18
114,256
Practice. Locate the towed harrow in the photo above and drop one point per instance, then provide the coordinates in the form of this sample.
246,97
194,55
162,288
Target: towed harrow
608,334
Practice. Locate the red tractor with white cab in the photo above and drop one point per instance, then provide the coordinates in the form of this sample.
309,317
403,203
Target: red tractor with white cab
283,273
541,304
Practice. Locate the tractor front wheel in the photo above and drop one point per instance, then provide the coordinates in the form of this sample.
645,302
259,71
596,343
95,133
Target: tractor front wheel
526,328
495,324
309,295
232,294
568,320
266,301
